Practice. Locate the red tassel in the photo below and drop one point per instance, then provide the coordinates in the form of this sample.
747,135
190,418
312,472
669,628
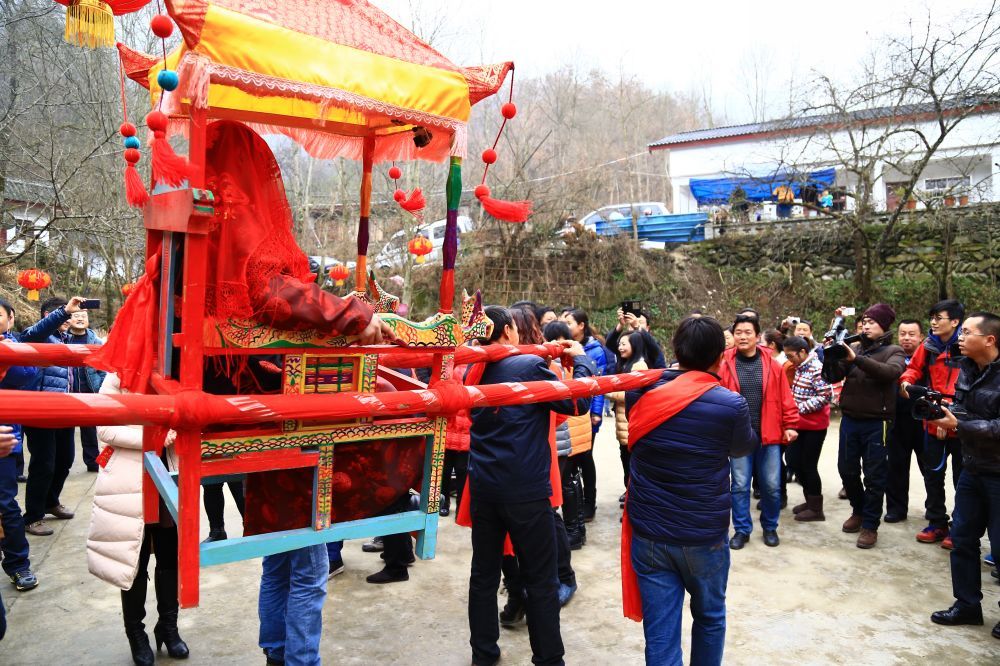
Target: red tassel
508,211
415,203
135,191
169,168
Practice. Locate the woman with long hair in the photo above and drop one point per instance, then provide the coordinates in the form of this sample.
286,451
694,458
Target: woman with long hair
636,351
578,322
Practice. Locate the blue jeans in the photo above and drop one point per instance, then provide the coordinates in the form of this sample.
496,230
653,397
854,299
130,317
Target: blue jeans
665,572
863,449
15,544
977,510
292,590
765,465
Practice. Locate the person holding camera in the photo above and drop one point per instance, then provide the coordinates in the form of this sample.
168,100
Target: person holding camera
975,418
935,367
870,368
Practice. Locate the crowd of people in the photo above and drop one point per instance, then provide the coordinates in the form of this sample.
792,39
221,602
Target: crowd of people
740,412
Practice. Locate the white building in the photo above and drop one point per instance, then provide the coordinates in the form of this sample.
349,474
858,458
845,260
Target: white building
27,208
764,155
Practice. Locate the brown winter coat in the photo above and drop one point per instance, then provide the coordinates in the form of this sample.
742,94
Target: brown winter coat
618,397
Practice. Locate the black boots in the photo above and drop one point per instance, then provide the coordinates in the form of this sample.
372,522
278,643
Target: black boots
573,511
165,630
133,612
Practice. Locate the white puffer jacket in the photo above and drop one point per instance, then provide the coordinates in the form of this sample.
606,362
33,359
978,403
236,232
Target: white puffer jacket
116,523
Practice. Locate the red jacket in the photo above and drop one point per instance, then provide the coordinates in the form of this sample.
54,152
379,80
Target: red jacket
778,412
928,367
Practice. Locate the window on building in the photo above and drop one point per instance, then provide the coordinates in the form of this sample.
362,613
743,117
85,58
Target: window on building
946,184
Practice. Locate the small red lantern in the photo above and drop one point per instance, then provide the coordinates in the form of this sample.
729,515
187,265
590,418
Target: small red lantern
338,273
33,280
128,288
419,247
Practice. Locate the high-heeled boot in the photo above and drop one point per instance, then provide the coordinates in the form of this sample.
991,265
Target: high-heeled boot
572,510
165,630
133,613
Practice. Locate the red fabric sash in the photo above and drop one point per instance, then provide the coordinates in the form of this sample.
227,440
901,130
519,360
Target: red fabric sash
651,410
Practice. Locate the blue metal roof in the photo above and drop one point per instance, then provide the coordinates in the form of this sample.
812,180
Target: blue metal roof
802,122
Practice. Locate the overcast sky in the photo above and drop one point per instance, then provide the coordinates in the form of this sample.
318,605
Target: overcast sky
676,46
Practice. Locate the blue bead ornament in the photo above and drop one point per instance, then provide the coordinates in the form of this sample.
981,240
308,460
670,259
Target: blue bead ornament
167,79
132,142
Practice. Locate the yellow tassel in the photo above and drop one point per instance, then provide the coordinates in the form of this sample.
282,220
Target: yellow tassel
32,294
421,258
90,23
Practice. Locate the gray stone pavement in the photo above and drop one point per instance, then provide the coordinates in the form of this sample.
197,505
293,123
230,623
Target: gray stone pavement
816,599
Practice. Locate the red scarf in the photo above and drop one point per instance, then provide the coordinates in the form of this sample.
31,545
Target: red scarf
648,413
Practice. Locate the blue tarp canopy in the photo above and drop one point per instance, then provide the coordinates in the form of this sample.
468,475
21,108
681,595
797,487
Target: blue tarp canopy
759,188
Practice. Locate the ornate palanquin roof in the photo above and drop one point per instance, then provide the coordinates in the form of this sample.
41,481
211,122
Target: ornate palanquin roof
324,72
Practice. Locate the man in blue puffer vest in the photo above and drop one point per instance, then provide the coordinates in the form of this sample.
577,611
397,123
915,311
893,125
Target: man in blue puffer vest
85,379
679,501
14,544
52,449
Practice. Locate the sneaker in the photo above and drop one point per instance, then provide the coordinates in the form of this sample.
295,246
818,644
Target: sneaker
373,546
988,560
931,534
566,593
947,544
60,512
24,580
336,568
39,528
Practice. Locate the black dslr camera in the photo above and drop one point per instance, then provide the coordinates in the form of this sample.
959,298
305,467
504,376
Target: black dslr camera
838,336
927,406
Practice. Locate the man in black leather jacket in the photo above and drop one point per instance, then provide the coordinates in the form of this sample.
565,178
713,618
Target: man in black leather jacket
975,416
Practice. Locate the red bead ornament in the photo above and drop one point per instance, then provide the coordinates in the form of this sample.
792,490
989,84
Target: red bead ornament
399,196
162,26
395,172
132,155
489,156
482,191
156,121
508,110
127,129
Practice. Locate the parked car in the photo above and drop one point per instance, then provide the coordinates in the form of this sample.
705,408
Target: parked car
394,253
609,219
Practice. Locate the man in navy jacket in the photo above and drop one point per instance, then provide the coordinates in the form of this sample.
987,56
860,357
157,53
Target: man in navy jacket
509,467
52,449
679,503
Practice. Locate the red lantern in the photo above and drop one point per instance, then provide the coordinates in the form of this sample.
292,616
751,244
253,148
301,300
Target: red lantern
128,288
33,280
338,273
419,247
91,23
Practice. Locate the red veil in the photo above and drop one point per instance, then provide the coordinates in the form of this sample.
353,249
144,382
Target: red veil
256,269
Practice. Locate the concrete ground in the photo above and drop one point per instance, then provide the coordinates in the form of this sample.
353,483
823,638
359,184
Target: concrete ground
816,599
